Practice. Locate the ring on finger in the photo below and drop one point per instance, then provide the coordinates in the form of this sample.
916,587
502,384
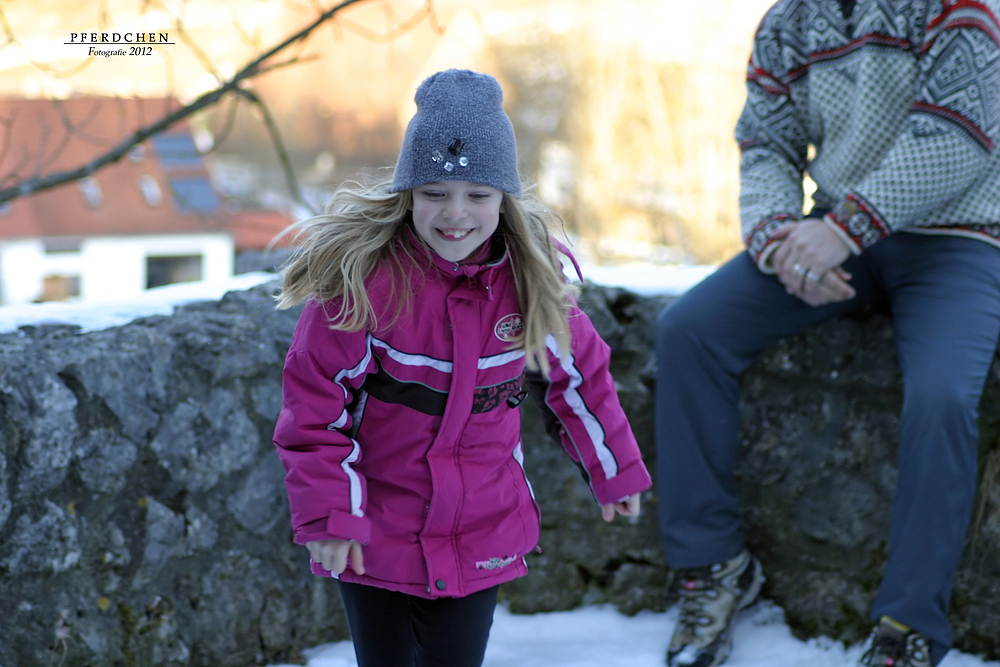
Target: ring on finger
812,276
799,269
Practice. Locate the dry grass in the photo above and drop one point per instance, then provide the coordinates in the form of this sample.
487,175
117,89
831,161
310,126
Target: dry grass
653,128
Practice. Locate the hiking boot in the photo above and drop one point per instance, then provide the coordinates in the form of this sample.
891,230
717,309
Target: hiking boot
710,596
895,644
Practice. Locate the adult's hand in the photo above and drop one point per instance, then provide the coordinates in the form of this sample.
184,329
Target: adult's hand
333,554
808,262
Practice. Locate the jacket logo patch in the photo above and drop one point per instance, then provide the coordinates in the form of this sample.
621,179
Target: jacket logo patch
495,563
509,328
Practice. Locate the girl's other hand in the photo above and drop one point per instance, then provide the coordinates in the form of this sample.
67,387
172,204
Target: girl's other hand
626,507
333,555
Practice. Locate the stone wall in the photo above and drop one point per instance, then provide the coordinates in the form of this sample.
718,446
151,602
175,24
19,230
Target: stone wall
143,518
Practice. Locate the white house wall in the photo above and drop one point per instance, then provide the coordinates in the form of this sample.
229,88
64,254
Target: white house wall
115,267
108,267
22,268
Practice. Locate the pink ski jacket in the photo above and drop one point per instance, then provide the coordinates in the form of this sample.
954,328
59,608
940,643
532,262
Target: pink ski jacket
407,439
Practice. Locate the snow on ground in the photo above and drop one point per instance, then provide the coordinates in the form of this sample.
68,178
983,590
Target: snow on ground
588,637
602,637
92,316
648,280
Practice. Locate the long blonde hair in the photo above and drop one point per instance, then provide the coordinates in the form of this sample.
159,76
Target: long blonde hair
364,227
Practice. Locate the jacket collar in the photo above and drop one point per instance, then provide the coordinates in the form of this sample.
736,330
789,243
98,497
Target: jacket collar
492,254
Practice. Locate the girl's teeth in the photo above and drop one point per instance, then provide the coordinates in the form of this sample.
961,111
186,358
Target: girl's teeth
456,234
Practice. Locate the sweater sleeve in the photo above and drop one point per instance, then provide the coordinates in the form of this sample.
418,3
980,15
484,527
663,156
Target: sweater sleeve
589,421
322,370
773,141
954,125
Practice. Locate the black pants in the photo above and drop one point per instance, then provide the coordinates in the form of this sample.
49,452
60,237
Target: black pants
391,629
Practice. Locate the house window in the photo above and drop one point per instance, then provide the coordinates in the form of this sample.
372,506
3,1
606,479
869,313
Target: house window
194,195
174,269
177,150
60,288
91,191
55,244
150,190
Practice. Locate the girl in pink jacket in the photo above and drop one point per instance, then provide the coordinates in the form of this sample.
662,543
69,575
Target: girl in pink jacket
428,297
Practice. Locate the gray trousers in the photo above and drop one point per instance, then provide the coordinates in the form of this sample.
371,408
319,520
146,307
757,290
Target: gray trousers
944,297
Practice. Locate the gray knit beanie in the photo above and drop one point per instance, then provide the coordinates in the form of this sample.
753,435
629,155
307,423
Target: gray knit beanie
459,133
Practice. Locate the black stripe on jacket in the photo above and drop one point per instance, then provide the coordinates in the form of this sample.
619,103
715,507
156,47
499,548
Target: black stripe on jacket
388,389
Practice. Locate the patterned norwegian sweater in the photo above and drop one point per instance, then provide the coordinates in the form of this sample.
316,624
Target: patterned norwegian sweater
900,101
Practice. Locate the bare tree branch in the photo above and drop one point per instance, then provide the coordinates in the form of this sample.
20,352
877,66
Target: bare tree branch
279,148
432,17
228,124
189,41
40,156
398,28
253,41
44,163
232,86
103,18
24,159
297,60
13,41
5,123
78,129
171,74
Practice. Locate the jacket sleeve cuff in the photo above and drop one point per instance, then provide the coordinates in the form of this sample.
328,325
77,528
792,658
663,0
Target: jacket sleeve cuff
338,526
763,260
760,243
633,479
857,223
350,527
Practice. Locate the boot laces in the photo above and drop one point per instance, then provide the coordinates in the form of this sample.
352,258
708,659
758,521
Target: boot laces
892,650
695,590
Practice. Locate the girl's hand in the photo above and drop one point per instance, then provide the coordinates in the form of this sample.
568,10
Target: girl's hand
626,507
333,554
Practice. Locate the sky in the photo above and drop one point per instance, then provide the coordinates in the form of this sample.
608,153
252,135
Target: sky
586,637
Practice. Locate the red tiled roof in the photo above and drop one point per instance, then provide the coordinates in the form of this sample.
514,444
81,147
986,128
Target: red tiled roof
46,136
255,229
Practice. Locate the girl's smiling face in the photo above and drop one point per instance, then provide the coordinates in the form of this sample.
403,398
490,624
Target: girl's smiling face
456,217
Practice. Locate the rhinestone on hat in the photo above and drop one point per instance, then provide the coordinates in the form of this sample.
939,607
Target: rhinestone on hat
454,151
